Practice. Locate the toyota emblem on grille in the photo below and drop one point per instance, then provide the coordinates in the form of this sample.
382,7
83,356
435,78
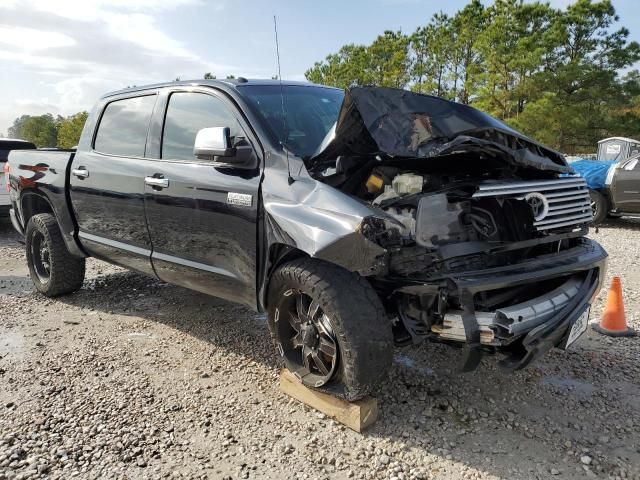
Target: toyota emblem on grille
539,205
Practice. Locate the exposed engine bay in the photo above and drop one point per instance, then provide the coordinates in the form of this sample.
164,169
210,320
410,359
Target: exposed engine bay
437,226
458,210
465,217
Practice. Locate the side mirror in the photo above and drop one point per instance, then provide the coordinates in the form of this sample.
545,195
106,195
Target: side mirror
213,142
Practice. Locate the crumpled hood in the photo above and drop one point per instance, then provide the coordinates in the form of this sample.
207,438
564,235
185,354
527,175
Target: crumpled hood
404,124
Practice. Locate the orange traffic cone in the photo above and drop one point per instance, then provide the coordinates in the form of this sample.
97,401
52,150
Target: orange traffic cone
614,323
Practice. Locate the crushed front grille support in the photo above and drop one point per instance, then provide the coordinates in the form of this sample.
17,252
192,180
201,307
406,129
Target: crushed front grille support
558,203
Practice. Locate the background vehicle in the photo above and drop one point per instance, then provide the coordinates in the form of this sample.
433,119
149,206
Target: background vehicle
355,219
6,145
614,186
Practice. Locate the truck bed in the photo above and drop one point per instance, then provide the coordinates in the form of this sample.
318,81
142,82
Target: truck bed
44,172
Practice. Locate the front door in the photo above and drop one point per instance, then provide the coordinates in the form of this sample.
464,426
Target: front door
625,186
107,185
203,238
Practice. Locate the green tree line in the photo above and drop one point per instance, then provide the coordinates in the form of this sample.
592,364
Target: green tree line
562,76
49,131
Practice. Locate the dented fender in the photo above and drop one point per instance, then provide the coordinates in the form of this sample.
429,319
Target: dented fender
319,220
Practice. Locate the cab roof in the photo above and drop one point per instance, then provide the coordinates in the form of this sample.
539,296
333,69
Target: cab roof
227,83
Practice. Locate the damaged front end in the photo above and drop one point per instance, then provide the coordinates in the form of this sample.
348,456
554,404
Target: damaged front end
471,233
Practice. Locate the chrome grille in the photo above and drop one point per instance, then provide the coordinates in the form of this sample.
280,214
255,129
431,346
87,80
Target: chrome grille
565,201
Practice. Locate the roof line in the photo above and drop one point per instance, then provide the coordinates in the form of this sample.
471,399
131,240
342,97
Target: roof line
228,83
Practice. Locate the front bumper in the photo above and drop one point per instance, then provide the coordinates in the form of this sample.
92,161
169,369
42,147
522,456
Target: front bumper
532,334
555,331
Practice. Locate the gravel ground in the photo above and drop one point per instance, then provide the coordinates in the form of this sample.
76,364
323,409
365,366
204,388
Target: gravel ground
132,378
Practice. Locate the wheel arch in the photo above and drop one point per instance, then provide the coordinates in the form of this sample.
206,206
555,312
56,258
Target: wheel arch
33,203
277,254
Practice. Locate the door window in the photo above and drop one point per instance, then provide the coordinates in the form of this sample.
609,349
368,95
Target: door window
189,112
124,126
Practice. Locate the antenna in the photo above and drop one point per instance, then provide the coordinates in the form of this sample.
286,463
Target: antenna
290,179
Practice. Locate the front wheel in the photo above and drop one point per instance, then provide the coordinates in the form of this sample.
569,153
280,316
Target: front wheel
54,271
330,327
599,206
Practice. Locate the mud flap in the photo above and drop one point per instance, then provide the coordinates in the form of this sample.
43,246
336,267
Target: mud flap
472,352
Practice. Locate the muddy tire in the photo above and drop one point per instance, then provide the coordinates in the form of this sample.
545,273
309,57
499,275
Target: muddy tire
53,270
333,319
599,206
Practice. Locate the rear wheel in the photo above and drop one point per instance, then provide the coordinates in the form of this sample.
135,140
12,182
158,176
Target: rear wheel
599,206
330,328
54,271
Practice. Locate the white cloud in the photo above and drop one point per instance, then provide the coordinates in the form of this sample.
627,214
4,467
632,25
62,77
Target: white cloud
140,29
110,24
30,106
37,61
78,93
30,39
78,50
92,10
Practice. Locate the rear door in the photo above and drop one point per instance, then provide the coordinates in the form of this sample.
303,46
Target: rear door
107,184
626,186
202,238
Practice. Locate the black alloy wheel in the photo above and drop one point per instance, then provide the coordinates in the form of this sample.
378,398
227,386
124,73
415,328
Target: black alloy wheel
330,327
40,256
53,269
306,338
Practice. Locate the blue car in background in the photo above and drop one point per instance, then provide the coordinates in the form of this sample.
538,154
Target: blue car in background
614,186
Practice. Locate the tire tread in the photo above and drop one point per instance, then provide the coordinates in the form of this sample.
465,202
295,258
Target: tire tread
67,270
360,321
602,206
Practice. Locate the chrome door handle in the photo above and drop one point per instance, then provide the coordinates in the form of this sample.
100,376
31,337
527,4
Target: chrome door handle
80,172
156,182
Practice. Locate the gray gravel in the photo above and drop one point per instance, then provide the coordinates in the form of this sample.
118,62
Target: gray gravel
132,378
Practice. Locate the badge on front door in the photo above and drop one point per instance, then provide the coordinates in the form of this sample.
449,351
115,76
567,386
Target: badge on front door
243,199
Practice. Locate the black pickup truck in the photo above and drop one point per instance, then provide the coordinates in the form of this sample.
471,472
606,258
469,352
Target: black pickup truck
356,219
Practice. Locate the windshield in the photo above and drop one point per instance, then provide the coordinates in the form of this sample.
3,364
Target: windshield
310,110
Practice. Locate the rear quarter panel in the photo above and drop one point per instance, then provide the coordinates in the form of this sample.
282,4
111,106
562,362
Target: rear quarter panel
43,173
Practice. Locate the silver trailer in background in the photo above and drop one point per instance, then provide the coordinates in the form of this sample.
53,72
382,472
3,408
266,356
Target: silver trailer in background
617,148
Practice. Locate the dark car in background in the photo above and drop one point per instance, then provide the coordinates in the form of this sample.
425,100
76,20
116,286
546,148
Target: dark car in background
619,194
6,145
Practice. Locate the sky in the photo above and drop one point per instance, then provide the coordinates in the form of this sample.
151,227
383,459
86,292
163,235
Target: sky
59,56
